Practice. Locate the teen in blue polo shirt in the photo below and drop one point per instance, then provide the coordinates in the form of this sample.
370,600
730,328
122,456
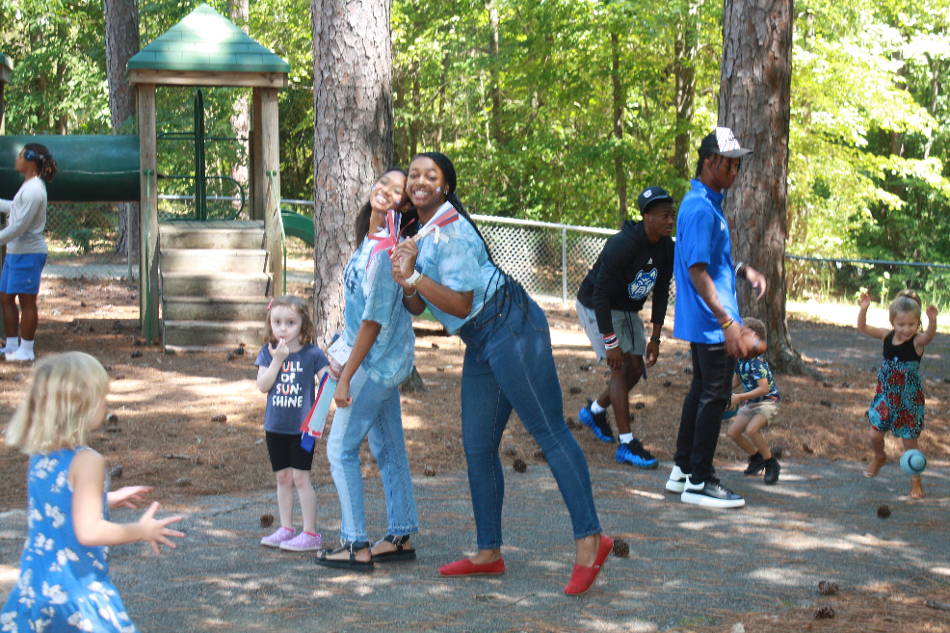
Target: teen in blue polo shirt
707,315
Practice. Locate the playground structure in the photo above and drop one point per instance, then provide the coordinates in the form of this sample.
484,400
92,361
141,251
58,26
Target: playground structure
211,278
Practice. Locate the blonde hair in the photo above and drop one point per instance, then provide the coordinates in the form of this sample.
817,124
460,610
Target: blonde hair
300,307
755,325
906,302
66,393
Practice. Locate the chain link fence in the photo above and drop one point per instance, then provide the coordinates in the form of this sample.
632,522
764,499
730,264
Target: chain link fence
550,260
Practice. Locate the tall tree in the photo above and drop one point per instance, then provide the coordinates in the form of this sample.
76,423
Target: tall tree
122,42
755,101
684,72
353,135
238,12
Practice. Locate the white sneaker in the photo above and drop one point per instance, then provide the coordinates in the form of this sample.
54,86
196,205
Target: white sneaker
19,356
677,480
9,350
711,494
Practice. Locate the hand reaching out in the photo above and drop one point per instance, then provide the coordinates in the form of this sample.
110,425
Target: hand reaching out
127,495
865,301
155,531
931,312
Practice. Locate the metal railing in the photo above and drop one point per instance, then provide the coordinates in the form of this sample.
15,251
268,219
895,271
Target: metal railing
551,260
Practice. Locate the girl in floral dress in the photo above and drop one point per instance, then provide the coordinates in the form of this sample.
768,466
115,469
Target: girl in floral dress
898,404
64,580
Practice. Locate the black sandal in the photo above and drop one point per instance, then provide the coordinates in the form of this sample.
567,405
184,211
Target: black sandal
352,564
399,554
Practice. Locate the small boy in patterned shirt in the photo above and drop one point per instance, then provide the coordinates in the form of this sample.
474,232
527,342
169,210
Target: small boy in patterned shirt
761,398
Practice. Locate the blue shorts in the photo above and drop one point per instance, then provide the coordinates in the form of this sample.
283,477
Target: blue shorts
21,273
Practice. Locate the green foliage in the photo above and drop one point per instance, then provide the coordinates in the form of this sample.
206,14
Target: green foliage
531,123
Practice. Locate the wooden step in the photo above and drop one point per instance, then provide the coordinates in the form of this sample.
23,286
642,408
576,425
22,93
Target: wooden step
233,308
215,284
223,260
213,234
213,334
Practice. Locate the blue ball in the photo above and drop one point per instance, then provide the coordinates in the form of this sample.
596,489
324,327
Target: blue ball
913,462
730,413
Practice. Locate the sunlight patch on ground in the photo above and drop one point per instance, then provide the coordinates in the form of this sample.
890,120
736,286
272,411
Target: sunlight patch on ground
643,493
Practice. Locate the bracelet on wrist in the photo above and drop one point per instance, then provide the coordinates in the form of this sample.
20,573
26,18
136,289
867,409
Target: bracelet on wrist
655,339
727,324
612,345
414,278
414,293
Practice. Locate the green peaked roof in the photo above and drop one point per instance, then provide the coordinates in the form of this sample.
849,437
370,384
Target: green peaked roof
205,41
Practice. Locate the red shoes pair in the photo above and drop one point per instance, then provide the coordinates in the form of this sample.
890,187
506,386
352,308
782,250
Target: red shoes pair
582,578
466,567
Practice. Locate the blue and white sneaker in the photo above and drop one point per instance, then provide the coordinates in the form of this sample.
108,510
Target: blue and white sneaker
597,422
634,454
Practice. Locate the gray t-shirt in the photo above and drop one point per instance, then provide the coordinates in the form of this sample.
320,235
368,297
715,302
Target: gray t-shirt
292,395
24,231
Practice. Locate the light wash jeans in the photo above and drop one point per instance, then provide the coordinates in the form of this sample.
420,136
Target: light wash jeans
509,364
376,414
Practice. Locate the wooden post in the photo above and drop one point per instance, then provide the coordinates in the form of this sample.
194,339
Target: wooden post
1,107
148,224
256,166
270,161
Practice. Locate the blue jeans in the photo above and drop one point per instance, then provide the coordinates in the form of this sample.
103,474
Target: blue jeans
701,420
509,364
376,414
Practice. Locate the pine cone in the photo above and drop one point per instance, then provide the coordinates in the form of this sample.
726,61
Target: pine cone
221,417
182,481
575,390
267,520
571,424
510,450
884,512
430,471
621,548
824,613
639,405
827,587
115,472
539,454
520,466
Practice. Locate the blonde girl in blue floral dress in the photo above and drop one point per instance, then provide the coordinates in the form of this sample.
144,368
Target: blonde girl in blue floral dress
898,404
64,580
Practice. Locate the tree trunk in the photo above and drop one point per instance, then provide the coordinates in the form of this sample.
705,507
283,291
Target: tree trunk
684,71
619,106
754,101
238,12
122,42
497,133
353,136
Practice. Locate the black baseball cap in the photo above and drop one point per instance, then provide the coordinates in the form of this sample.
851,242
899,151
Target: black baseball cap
723,142
651,195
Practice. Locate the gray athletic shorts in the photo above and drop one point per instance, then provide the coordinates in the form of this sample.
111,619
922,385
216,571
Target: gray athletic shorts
767,409
629,332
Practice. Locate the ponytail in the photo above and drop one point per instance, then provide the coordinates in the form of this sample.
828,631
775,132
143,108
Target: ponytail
45,164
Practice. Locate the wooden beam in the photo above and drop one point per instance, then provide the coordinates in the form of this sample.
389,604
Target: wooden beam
1,109
208,78
148,208
270,159
5,75
256,167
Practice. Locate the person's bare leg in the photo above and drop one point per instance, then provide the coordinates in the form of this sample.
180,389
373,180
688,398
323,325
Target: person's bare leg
880,457
735,433
285,498
621,382
11,315
916,487
754,434
308,499
28,317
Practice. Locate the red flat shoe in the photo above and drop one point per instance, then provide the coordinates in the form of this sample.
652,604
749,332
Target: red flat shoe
466,567
582,578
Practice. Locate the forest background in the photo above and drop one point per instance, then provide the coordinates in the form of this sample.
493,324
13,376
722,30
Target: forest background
562,110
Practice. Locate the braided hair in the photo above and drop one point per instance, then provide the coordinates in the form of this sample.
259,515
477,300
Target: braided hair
39,154
448,171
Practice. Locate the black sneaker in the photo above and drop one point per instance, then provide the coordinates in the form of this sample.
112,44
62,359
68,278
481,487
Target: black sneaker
772,470
710,494
756,464
597,422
